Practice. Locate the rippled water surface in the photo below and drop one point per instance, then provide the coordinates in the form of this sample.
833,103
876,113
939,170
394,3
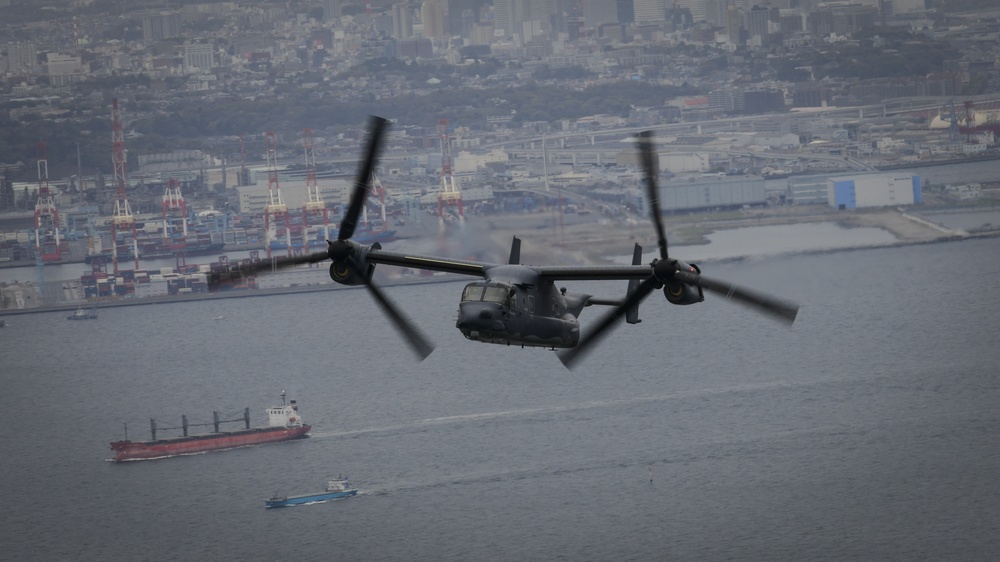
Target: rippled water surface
867,431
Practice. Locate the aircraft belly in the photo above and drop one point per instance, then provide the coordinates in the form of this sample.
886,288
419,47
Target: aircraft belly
503,338
544,332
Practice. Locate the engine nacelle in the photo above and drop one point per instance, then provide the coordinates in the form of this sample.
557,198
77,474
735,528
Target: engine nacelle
683,293
342,272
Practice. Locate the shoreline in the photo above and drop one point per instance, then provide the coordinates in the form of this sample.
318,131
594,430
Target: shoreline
597,243
600,241
199,297
173,299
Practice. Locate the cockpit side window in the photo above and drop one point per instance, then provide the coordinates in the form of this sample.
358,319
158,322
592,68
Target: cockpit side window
472,292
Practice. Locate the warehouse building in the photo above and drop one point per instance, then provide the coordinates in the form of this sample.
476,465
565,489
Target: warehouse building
873,190
253,198
714,193
709,193
808,190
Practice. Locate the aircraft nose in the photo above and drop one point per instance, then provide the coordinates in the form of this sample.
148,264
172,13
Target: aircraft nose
478,317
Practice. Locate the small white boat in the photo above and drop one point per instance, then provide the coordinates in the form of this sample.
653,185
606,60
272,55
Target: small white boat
82,314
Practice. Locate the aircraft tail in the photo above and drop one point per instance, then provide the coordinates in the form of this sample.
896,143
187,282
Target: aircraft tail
515,251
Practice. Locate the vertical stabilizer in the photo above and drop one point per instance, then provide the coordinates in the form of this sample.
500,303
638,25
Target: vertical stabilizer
515,251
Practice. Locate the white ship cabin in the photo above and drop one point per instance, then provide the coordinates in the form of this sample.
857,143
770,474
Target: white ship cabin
339,484
287,415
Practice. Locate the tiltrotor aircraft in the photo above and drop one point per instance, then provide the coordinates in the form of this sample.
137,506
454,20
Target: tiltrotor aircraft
515,304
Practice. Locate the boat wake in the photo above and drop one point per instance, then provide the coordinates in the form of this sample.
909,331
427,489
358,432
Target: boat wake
529,412
639,465
307,503
497,477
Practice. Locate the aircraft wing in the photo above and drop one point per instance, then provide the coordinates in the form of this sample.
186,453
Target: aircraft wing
432,263
593,272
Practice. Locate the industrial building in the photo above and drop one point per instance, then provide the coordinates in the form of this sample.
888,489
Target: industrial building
253,198
873,190
807,190
852,191
722,192
707,193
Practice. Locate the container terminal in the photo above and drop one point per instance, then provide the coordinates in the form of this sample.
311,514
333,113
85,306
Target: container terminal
140,236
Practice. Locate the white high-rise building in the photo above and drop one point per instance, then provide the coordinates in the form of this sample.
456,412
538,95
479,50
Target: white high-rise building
649,11
63,69
157,26
198,58
715,11
597,12
331,9
22,57
402,21
541,10
698,8
432,12
507,17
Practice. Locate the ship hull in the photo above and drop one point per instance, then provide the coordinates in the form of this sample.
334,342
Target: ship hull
162,448
309,498
81,317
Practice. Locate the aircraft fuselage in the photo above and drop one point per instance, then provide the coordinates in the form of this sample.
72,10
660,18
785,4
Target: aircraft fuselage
507,314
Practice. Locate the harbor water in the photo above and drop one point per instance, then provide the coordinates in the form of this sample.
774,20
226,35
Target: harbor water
866,431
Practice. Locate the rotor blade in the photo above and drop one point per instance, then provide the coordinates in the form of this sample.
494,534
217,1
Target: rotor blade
413,336
644,143
267,265
778,308
376,128
610,319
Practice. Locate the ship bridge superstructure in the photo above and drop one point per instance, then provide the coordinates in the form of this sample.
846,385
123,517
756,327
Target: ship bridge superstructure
286,415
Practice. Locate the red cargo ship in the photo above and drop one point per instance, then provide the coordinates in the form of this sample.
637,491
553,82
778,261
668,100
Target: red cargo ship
284,423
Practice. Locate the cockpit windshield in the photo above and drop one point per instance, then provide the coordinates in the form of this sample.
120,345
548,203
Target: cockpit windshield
472,292
495,294
475,292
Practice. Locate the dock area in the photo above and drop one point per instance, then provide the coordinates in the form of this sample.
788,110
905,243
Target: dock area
578,239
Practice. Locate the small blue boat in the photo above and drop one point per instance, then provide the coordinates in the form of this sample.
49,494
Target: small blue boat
337,488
